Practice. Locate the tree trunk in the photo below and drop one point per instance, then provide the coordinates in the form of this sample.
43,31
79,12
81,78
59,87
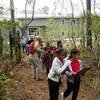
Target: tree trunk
83,34
18,49
73,21
15,51
1,44
83,21
11,45
26,12
88,24
55,7
94,6
13,31
12,17
33,9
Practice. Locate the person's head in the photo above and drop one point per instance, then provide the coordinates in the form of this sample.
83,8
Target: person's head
39,38
60,53
48,44
31,37
59,44
75,53
48,49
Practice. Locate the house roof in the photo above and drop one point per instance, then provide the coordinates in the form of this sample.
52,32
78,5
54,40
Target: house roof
37,22
42,21
47,17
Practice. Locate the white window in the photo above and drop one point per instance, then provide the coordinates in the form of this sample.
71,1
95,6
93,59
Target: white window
62,21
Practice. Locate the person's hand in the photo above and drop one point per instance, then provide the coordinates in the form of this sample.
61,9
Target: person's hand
76,76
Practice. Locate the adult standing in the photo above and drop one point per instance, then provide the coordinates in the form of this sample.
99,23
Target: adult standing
23,43
34,55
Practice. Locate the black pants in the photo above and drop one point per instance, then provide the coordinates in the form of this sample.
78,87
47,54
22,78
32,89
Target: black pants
72,87
53,89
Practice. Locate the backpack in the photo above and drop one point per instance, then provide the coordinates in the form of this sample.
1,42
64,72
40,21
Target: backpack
31,48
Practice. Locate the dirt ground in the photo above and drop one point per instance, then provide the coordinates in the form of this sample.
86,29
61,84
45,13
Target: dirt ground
24,87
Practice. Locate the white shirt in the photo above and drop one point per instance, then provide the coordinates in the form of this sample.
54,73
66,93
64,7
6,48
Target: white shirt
57,69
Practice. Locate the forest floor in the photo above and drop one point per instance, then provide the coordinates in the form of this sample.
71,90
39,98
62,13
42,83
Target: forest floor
22,86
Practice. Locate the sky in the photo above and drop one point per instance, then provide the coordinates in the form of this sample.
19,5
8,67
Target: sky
65,9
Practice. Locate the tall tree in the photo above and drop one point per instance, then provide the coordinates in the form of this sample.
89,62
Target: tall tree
55,7
1,39
88,24
32,3
94,6
1,44
83,22
12,16
14,38
26,11
72,22
33,10
13,30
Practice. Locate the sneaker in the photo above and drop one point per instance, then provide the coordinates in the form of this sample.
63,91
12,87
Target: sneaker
62,96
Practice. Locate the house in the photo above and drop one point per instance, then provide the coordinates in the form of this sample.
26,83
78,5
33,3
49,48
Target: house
43,22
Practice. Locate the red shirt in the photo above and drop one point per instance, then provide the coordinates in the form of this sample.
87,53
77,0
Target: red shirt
75,65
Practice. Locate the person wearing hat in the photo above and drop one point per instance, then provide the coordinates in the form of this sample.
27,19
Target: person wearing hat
54,76
73,75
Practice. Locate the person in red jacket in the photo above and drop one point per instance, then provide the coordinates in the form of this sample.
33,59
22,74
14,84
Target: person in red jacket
73,74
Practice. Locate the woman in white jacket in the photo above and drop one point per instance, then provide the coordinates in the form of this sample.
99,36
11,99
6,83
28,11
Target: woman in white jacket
54,75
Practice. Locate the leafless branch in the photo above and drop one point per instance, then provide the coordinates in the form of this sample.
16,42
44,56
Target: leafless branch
33,9
26,11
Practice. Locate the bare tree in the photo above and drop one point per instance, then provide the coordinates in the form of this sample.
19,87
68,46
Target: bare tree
72,22
1,44
26,11
1,39
55,7
88,24
72,8
33,10
29,2
94,6
62,7
83,22
13,29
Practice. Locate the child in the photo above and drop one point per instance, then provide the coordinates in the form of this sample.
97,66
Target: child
72,72
55,72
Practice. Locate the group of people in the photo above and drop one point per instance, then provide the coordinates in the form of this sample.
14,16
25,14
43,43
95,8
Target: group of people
56,62
71,68
25,42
